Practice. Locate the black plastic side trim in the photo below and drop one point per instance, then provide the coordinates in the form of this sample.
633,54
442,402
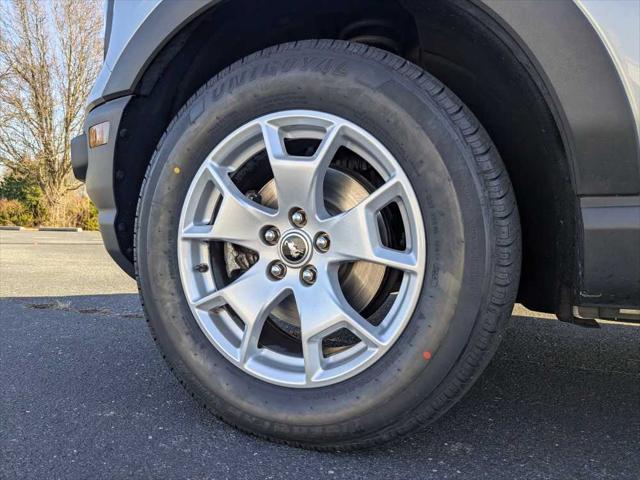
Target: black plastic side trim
79,157
611,268
592,108
99,177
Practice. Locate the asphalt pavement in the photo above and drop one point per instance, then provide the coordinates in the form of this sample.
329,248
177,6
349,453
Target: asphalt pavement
84,393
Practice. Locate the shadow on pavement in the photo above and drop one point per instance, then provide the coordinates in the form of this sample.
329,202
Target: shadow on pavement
85,393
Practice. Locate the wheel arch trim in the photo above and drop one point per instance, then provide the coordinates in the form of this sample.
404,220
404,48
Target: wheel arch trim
579,95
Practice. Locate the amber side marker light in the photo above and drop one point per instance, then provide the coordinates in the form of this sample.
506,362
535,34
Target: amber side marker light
98,134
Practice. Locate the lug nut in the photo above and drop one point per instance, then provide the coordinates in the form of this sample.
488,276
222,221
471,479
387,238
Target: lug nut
277,270
298,218
309,275
322,242
271,235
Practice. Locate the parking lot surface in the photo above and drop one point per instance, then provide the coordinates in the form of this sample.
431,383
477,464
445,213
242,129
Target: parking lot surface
84,393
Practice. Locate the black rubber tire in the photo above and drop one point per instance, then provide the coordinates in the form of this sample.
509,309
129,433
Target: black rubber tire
472,229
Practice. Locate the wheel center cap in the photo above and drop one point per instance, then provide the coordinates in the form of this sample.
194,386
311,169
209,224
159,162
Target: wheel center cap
294,248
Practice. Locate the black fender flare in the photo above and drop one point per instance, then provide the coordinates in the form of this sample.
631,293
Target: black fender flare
585,94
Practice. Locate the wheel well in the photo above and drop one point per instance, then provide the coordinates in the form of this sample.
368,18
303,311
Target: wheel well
455,41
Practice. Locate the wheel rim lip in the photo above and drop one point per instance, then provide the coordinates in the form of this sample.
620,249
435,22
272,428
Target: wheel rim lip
269,365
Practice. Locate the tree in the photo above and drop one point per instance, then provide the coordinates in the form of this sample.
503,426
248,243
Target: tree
50,53
24,190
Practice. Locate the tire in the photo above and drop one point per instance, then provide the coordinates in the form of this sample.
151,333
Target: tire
470,223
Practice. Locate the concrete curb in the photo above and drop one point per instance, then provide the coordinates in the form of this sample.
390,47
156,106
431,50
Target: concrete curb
11,227
59,229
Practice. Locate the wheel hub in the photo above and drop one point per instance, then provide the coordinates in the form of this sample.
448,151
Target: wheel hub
361,281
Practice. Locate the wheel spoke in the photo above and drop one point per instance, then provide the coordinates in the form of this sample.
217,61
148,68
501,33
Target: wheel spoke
312,353
198,232
324,310
238,219
356,236
299,180
252,297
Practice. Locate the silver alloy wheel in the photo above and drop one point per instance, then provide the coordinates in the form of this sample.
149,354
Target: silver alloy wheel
232,316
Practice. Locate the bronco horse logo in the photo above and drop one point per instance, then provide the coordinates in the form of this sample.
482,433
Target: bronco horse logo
295,251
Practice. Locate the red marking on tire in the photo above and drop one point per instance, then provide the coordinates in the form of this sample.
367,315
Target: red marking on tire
426,355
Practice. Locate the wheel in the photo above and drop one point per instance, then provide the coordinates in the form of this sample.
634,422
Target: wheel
327,245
